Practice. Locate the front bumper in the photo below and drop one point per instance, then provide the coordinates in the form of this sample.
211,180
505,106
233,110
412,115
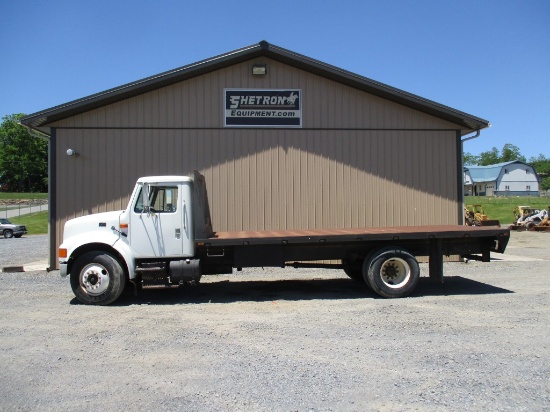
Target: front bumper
63,269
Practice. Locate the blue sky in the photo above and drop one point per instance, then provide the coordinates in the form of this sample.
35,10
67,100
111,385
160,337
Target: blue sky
488,58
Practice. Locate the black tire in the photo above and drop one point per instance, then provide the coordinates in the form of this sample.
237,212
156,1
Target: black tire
17,236
367,262
530,225
8,233
392,272
354,270
97,278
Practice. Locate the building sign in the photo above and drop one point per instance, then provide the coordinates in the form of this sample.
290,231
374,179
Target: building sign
262,108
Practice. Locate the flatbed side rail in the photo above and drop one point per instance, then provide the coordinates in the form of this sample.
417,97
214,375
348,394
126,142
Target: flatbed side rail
279,248
328,236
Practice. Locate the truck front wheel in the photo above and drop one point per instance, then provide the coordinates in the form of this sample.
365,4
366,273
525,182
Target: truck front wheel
393,272
97,278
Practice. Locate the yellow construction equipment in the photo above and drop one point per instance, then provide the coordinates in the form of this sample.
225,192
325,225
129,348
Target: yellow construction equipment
475,216
528,218
520,214
544,225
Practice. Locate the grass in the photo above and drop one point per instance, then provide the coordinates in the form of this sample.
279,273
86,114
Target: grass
22,196
37,223
501,208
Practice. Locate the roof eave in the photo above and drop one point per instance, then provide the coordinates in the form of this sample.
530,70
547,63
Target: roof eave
263,48
376,88
132,89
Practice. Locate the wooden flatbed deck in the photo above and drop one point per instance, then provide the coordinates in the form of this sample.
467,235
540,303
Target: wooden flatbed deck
265,237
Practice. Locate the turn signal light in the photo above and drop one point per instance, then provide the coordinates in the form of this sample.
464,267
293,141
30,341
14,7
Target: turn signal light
123,225
62,253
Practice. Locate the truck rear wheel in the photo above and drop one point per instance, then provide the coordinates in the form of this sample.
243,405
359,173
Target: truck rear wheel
354,267
354,270
392,272
97,278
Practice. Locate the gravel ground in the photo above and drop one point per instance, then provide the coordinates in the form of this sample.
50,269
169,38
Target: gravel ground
27,249
274,340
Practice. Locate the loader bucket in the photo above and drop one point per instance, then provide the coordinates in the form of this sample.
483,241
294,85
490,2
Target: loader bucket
490,222
516,227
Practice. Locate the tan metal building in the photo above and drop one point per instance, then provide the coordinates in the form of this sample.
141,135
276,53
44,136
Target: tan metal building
352,153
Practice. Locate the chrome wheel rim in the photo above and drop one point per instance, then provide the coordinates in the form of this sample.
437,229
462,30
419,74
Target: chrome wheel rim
94,279
395,273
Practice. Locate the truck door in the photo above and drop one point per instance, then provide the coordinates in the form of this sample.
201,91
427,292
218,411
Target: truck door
160,221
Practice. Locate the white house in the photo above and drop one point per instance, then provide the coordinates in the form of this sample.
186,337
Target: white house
503,179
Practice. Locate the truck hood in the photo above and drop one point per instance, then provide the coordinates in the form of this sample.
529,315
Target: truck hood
91,223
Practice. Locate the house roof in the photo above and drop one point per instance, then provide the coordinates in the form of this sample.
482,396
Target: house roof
262,49
489,173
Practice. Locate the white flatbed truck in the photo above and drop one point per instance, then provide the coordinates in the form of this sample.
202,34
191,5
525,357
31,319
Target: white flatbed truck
165,238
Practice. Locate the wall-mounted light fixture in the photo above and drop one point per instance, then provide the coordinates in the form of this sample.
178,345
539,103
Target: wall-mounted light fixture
71,152
259,69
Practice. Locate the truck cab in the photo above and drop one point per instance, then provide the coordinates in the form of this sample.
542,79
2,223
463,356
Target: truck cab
152,239
158,218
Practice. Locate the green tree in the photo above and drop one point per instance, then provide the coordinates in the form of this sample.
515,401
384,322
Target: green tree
539,158
23,158
541,165
470,159
510,152
489,157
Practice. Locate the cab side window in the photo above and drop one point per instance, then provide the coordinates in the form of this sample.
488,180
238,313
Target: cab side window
163,199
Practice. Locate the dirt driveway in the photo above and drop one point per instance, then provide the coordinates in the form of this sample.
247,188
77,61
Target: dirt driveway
288,340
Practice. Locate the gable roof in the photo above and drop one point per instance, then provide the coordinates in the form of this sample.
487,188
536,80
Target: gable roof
262,49
489,173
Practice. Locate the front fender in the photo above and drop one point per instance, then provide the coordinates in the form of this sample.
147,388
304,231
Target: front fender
81,243
128,255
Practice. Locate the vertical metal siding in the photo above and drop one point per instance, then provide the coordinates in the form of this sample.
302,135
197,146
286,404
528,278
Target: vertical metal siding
305,179
357,162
